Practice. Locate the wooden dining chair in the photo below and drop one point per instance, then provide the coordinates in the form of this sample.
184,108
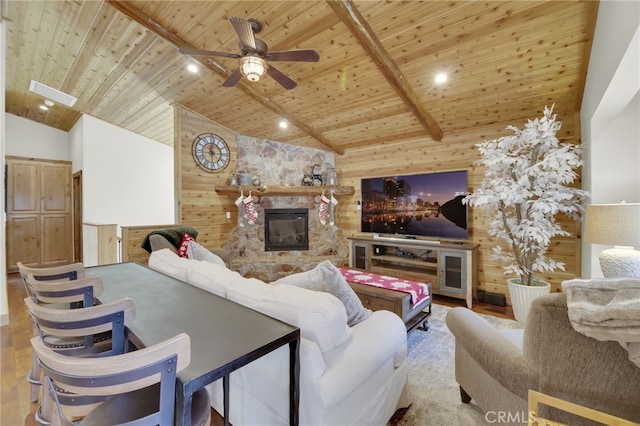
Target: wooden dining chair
69,272
57,292
96,331
58,327
76,293
138,386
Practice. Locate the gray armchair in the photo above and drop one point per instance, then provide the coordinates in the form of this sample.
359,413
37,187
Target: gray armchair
496,369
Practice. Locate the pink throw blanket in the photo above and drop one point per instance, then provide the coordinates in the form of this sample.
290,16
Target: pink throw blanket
418,291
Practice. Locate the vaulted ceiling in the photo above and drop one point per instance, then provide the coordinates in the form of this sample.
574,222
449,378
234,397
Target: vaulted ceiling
374,82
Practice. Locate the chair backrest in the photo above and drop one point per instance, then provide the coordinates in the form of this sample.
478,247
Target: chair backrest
82,290
69,272
85,323
119,374
572,366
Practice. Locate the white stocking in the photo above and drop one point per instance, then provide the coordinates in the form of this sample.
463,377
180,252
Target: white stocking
323,210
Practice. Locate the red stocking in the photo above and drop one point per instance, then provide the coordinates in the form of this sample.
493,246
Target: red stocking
250,210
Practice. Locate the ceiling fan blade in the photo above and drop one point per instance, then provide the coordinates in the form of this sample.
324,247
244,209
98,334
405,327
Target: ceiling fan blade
244,31
233,79
196,52
303,55
284,80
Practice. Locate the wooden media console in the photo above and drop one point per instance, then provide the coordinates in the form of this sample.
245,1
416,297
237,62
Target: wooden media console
449,266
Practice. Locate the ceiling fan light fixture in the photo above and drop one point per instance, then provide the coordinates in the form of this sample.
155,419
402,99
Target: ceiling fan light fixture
252,67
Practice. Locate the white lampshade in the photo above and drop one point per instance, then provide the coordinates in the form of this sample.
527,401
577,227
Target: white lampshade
616,225
253,67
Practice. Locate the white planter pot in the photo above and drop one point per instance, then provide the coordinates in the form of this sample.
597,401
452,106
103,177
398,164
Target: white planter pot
523,295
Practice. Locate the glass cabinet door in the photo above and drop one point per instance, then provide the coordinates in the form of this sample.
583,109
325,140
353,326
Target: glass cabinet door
453,272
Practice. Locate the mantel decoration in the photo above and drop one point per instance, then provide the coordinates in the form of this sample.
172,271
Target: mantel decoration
527,182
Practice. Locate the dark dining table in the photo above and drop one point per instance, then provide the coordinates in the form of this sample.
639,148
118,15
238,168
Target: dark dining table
224,335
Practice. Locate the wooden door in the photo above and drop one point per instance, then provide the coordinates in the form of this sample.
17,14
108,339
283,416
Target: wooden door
23,182
23,240
39,226
23,213
77,216
57,241
55,212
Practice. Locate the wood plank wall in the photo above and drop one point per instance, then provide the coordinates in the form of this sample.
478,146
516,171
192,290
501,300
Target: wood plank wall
132,238
454,152
201,207
198,205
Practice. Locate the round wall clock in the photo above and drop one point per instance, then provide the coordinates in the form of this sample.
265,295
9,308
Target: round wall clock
210,152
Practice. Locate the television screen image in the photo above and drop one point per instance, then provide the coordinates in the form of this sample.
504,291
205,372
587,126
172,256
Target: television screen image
427,205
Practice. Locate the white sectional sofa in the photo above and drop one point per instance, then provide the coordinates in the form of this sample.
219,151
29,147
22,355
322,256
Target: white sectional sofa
349,375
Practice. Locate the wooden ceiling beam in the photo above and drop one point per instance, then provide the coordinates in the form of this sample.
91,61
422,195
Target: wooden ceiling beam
355,22
151,24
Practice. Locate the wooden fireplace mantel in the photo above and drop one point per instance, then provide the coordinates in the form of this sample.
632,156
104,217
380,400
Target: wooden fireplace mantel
276,190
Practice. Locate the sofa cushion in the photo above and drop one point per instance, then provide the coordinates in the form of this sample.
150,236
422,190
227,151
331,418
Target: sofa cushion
327,278
158,242
320,316
197,252
207,276
218,279
169,263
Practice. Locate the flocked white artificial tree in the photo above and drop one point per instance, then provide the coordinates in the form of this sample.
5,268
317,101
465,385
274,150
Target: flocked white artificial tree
527,182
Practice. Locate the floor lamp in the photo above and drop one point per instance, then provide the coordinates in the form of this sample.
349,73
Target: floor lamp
617,225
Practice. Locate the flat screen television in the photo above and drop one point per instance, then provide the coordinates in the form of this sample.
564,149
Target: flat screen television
419,205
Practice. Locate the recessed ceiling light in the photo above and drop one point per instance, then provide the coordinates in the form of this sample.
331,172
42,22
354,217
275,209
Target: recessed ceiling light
49,103
441,78
192,68
283,124
44,107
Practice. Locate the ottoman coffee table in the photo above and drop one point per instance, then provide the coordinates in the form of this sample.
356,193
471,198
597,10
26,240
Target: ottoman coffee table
399,302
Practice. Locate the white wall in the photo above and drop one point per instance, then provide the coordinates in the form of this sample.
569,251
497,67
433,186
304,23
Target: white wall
4,301
617,177
26,138
76,151
127,179
610,125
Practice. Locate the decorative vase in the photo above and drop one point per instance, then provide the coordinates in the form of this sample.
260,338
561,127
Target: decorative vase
523,295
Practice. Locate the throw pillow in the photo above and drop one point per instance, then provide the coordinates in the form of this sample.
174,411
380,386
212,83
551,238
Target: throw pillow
198,252
184,245
326,277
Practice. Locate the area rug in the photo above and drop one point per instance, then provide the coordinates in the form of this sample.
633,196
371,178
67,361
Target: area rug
434,392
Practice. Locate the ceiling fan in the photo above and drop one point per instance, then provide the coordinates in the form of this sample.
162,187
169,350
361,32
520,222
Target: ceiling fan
254,56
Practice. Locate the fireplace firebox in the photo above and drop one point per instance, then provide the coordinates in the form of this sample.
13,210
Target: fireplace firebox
286,229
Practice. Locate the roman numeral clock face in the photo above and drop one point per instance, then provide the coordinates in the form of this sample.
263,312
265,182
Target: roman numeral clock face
210,152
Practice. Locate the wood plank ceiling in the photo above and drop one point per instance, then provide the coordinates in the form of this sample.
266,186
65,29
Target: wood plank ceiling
373,84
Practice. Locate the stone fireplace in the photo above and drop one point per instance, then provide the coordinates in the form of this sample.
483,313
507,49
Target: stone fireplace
286,229
275,163
247,243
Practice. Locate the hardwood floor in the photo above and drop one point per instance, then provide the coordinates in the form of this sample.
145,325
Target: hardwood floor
15,347
15,350
479,307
